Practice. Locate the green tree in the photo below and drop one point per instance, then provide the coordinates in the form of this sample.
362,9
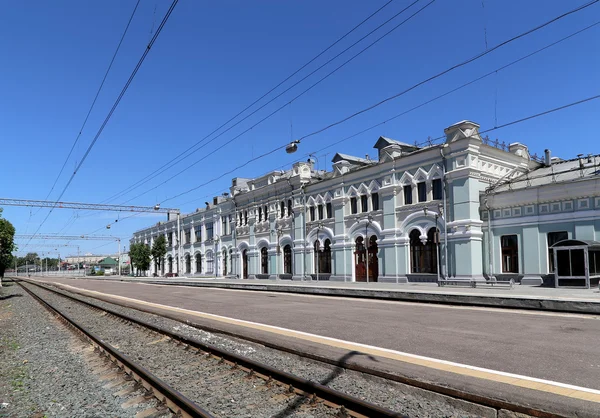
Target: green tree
7,245
159,250
139,254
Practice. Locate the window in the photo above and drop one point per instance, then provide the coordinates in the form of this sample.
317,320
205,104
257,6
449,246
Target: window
329,210
407,194
188,264
353,205
266,212
170,239
264,260
210,263
188,235
259,214
209,231
320,210
290,211
375,201
245,217
363,204
223,225
510,253
230,220
553,238
198,231
423,256
198,263
282,206
287,259
436,186
241,219
322,257
422,191
312,213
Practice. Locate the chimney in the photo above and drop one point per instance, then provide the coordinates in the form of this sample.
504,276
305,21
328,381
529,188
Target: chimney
548,159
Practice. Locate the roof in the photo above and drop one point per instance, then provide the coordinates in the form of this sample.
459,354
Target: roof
383,142
108,261
345,157
559,172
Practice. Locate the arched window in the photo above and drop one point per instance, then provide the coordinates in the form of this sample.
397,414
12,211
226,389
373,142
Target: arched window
423,257
323,256
170,264
245,264
231,260
264,260
259,214
289,204
224,262
287,259
282,205
198,263
188,264
210,262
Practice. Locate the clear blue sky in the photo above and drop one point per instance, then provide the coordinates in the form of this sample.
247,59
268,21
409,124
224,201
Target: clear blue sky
214,58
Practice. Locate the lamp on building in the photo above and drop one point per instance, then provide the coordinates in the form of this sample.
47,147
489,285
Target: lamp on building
292,147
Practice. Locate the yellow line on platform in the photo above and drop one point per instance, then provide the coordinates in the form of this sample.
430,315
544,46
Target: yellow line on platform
533,383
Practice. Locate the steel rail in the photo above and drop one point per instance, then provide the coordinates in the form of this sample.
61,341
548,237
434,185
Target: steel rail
175,401
351,405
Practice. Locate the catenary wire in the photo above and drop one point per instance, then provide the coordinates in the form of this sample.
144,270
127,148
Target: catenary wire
95,99
430,141
110,113
461,64
186,154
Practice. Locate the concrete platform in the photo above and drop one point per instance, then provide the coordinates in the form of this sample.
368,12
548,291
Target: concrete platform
520,297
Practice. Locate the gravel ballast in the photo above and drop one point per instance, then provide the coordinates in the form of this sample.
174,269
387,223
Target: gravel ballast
396,396
46,371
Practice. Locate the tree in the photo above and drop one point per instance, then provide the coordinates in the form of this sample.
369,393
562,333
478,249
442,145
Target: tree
159,250
139,254
7,245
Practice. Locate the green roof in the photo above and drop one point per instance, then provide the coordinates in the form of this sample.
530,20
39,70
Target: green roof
108,261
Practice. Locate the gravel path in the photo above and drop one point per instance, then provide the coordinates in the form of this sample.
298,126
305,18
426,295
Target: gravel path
45,371
399,397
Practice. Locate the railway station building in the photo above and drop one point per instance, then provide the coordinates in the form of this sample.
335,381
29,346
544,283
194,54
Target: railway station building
469,208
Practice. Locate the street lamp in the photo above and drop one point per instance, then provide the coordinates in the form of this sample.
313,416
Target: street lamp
319,227
369,221
438,214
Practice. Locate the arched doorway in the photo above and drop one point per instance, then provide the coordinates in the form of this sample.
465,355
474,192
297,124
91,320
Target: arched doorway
264,260
170,262
322,257
198,263
287,259
188,264
360,259
423,256
245,264
231,260
224,262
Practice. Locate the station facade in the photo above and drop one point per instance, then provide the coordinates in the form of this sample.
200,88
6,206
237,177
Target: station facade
468,208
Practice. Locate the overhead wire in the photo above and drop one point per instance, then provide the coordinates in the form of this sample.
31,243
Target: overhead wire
110,113
381,102
186,153
95,98
428,142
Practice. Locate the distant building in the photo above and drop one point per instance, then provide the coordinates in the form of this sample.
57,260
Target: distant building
469,208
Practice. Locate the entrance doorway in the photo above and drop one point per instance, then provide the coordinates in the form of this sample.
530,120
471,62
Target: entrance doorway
245,264
360,259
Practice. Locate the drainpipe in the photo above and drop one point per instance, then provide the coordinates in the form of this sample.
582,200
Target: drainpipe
446,214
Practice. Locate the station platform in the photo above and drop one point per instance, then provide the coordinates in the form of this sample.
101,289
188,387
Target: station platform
573,300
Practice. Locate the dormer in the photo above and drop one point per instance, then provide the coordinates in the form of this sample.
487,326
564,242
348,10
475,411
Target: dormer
354,162
462,130
390,149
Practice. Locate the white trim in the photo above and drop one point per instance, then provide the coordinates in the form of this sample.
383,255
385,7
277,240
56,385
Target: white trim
588,215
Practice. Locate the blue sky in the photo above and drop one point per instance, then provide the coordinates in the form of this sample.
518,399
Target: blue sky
212,59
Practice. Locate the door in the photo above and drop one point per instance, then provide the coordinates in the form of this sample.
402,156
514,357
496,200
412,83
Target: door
360,268
245,264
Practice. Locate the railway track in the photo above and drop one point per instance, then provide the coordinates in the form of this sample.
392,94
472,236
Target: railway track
298,393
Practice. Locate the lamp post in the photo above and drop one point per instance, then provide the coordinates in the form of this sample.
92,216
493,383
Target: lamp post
369,220
319,227
439,214
279,233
